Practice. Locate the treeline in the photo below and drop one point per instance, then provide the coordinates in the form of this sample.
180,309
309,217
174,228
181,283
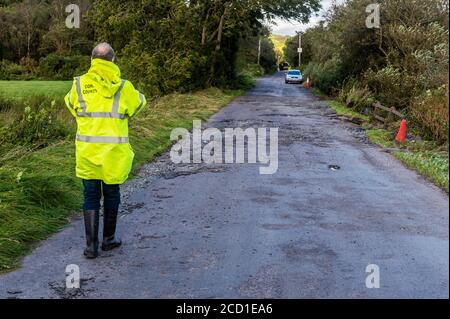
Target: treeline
403,64
35,42
164,45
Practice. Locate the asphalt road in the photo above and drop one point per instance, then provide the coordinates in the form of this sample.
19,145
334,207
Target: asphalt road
225,231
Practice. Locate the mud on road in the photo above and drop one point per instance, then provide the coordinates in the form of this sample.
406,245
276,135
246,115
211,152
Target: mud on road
336,205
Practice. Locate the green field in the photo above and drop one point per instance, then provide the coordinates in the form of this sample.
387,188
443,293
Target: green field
20,89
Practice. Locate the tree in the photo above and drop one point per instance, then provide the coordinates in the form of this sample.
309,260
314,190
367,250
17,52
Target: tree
190,40
62,40
221,16
175,44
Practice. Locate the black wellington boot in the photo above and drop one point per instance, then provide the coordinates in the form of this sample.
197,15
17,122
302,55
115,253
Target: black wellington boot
91,220
110,241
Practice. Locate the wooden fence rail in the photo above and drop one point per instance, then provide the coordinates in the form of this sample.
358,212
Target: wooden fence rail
392,113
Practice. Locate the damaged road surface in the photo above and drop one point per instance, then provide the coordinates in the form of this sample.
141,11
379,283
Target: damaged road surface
336,205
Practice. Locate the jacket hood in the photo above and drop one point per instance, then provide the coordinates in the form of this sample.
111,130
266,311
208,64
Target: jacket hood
105,76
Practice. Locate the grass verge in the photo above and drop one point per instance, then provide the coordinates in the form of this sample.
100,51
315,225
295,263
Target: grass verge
39,192
425,157
21,89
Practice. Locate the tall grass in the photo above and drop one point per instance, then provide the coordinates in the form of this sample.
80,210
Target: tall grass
36,121
430,112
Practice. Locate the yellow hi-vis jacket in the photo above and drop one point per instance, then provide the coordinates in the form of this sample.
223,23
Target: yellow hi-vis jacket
102,103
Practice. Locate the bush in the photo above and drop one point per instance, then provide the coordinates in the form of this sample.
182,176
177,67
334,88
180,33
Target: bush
431,112
28,64
356,96
39,122
253,69
392,86
326,76
61,67
11,71
52,67
244,81
163,72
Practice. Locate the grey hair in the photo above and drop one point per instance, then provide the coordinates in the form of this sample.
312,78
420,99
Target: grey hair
103,51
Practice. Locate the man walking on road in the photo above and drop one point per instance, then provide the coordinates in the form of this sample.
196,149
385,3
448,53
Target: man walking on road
102,102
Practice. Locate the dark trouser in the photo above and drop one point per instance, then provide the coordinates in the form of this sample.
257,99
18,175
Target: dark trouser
93,190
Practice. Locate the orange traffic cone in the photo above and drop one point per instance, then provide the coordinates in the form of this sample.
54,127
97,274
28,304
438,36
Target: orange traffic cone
308,84
401,136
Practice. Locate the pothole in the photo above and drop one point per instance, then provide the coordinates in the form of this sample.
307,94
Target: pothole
70,293
334,167
191,170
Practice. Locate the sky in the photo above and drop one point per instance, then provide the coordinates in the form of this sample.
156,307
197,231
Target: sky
289,27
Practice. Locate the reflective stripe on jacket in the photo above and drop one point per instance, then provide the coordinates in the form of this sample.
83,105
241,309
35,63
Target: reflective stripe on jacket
102,103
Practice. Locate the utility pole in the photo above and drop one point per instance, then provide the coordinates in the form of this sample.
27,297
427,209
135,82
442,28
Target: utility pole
259,51
299,48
